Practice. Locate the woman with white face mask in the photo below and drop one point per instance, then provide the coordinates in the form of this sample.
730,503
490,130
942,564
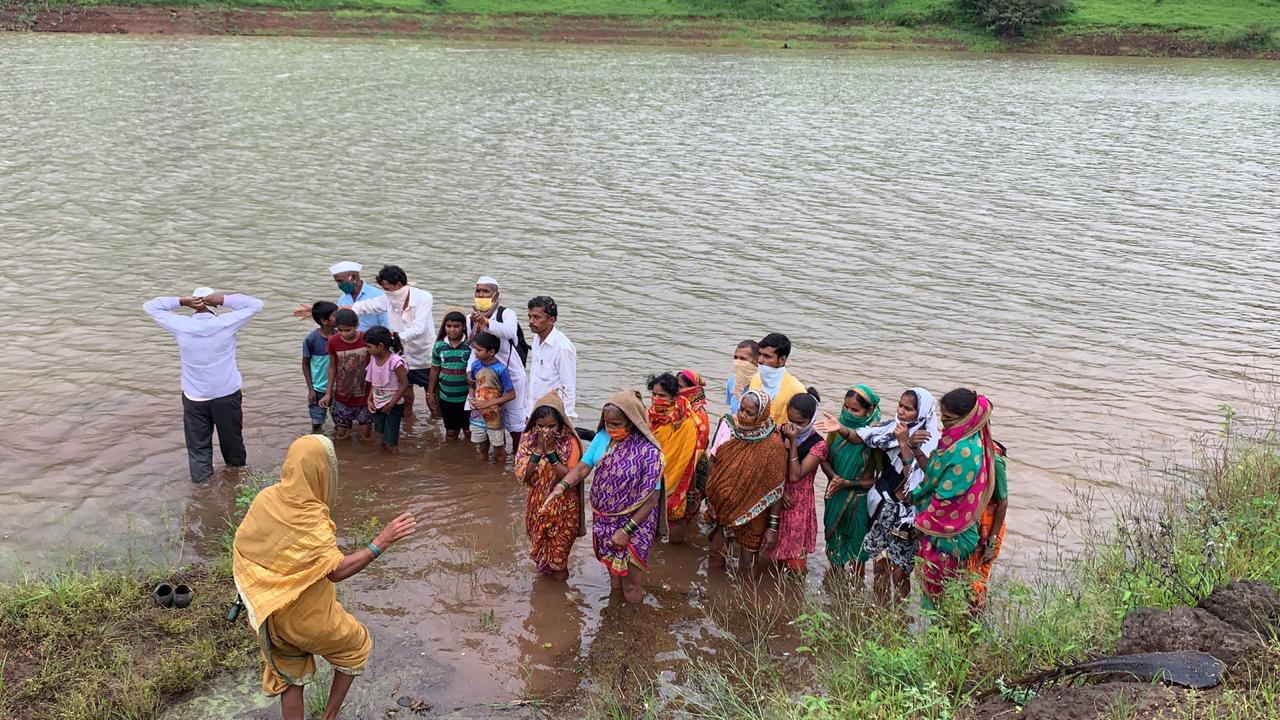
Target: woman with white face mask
408,311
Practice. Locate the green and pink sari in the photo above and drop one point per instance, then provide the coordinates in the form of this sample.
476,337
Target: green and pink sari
959,480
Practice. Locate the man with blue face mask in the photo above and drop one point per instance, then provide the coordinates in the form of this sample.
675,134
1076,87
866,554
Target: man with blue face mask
773,377
347,275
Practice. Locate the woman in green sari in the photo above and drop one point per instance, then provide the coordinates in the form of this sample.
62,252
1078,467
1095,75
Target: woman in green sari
851,469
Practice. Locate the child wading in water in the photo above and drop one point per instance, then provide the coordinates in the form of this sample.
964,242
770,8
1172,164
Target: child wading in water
348,393
807,448
491,391
447,391
388,379
315,362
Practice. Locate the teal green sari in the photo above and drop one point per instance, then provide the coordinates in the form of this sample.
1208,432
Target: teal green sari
844,516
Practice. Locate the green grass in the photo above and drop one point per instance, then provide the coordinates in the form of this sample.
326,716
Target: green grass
1215,524
1198,27
92,645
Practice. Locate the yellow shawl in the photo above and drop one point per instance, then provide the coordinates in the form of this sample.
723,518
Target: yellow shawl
286,542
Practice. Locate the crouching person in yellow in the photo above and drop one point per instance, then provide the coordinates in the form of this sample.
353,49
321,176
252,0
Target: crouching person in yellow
285,560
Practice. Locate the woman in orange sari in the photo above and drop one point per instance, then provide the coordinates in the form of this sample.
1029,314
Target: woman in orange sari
285,561
694,389
677,429
548,450
990,533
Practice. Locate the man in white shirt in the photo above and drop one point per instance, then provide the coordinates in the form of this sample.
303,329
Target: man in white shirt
490,315
553,360
210,379
408,313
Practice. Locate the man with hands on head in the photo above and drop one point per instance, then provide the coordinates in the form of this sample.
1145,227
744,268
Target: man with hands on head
210,379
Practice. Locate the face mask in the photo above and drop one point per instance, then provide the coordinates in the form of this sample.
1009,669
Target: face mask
770,375
484,304
347,287
398,296
618,433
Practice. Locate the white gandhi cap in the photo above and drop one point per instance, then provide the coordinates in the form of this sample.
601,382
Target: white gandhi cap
202,291
487,280
345,266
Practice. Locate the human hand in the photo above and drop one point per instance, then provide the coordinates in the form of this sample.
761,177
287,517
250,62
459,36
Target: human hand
836,485
826,424
373,408
479,320
902,494
900,431
213,300
311,396
433,403
770,539
556,493
619,540
787,501
396,530
326,400
919,437
788,431
303,311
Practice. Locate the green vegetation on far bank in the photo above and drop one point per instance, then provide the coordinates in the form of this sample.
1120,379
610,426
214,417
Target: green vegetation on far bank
1237,28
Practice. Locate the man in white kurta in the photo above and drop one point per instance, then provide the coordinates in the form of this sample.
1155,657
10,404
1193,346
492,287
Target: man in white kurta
489,315
553,360
408,313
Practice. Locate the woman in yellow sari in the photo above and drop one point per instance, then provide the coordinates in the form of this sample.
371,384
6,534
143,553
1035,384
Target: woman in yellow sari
285,560
678,430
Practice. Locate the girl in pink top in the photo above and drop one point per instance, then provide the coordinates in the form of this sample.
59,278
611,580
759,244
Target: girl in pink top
388,380
798,522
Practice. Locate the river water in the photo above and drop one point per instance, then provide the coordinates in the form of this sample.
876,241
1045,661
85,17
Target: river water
1091,242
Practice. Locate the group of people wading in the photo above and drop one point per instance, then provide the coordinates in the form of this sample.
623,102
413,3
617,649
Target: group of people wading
922,486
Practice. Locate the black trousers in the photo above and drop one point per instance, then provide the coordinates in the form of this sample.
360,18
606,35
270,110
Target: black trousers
198,422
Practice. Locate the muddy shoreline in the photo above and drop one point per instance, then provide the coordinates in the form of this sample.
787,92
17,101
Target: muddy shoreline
515,28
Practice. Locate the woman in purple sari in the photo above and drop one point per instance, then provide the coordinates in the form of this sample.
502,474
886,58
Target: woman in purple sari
626,493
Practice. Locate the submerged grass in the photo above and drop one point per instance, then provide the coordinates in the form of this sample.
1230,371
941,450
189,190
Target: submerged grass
1219,522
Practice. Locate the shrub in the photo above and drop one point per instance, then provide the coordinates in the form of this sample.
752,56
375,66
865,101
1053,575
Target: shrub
1012,18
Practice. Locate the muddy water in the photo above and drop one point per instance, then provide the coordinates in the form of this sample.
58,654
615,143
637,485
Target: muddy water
1091,242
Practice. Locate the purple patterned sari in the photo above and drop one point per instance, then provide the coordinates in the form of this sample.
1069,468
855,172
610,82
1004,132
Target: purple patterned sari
628,472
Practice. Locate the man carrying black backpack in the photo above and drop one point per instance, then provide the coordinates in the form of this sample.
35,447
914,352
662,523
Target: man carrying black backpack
492,317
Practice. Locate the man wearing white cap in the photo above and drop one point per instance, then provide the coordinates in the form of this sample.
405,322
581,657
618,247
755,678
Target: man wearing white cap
354,290
210,379
490,316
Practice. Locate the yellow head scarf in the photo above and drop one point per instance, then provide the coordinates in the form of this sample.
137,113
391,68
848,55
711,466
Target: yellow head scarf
286,542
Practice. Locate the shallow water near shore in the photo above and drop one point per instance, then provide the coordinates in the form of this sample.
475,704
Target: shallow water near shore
1093,243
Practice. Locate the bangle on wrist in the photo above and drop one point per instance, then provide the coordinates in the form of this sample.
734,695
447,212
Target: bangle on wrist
374,549
564,485
535,458
630,527
553,457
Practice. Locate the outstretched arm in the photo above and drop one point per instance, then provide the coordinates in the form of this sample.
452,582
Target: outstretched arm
395,531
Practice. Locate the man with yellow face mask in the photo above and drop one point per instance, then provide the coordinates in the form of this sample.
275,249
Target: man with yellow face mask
489,315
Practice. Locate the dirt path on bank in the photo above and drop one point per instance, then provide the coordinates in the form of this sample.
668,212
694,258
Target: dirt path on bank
21,15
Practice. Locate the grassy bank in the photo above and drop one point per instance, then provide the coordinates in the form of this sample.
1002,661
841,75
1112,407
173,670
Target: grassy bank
1215,522
1236,28
91,645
